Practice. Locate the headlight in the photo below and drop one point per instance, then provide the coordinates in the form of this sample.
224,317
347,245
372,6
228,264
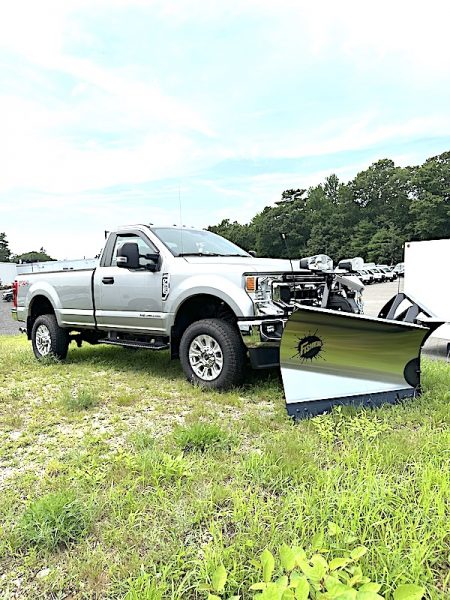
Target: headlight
259,288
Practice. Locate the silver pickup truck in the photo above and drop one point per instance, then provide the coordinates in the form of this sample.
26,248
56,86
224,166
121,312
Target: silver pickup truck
191,291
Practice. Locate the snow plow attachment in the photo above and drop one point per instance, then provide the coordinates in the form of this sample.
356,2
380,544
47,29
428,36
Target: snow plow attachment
329,358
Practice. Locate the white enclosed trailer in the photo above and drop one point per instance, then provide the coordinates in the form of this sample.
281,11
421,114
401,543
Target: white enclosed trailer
427,279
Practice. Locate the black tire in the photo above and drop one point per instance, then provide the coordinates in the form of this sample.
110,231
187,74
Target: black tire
56,341
232,351
342,304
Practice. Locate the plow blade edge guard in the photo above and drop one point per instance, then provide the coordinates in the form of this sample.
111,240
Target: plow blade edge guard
329,358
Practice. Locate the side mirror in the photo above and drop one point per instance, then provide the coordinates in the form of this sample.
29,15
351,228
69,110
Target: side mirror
128,256
252,253
154,257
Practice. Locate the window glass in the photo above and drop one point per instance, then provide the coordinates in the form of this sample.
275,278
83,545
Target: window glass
144,248
192,242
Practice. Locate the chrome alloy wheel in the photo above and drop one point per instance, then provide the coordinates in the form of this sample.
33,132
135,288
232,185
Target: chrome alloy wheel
206,357
43,340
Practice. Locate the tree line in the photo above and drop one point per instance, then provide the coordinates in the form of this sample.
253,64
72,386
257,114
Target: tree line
27,257
371,216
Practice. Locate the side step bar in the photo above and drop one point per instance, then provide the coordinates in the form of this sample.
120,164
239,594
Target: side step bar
152,345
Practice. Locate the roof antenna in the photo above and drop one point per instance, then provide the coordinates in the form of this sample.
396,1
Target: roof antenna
284,238
181,217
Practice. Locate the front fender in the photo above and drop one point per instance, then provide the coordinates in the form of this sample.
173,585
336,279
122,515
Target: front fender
227,291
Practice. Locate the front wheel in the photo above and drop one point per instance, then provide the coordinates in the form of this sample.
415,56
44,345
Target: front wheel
48,338
212,354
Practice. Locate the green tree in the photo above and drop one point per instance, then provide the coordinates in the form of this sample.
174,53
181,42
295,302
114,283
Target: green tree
5,252
33,256
242,235
383,192
362,233
430,207
385,246
289,217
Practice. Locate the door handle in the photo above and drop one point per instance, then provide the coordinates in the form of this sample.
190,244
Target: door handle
108,280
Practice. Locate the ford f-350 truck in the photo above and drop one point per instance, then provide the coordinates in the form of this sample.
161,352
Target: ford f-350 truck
191,291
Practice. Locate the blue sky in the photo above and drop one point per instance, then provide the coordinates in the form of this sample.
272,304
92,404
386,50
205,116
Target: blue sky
112,109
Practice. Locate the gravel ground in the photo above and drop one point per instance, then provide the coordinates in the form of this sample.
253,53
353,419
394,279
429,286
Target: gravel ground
376,295
7,325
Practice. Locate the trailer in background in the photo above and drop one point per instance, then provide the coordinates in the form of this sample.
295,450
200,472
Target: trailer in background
427,280
8,273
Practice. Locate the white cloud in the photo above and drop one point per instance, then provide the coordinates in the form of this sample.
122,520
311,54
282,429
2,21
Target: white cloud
61,149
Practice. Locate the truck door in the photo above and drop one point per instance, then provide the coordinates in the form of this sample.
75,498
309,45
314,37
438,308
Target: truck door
128,299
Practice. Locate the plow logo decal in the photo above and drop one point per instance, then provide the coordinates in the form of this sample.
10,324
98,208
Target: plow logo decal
309,347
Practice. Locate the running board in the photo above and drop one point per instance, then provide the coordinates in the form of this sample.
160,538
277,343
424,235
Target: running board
156,345
331,358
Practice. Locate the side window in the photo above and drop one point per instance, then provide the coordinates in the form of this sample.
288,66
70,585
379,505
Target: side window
144,248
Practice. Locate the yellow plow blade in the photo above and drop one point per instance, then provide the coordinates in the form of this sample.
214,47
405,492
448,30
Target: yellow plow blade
331,358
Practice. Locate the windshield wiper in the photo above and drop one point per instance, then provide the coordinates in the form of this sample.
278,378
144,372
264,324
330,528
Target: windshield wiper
209,254
199,254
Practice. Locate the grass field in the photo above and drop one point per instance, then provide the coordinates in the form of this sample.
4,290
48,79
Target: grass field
120,480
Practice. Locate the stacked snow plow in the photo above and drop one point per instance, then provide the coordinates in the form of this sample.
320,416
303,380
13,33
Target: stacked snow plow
330,358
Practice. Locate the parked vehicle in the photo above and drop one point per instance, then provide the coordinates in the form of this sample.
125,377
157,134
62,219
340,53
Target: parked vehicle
351,264
376,274
400,269
7,295
187,290
365,276
389,274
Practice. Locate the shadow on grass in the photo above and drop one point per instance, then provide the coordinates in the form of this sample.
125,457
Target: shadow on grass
156,363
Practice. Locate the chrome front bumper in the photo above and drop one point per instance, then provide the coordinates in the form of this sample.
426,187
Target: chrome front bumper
262,333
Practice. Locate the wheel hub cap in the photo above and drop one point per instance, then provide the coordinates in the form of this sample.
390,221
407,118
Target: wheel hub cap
43,340
206,357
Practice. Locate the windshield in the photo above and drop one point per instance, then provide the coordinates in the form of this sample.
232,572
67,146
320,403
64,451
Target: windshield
195,242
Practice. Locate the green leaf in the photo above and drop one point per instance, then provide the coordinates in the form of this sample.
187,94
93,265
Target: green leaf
368,596
268,565
317,541
288,595
320,564
347,595
300,555
370,587
282,582
409,591
219,578
287,557
350,539
357,576
334,586
204,587
214,597
234,598
358,552
258,586
333,529
272,592
302,588
338,563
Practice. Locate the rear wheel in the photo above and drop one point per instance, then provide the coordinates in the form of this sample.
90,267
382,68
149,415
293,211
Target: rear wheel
48,338
212,354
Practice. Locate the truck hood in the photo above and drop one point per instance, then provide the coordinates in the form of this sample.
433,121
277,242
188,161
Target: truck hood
246,264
